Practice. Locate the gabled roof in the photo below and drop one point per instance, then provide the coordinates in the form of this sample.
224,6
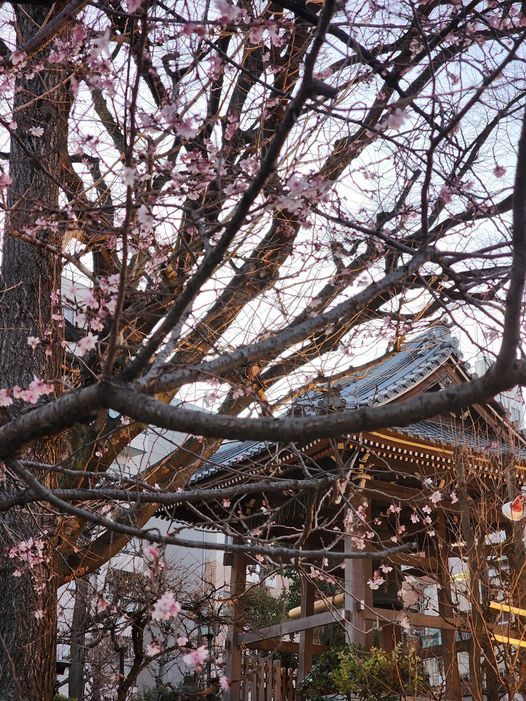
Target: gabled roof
390,376
378,382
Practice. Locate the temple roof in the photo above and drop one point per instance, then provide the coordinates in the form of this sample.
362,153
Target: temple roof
378,382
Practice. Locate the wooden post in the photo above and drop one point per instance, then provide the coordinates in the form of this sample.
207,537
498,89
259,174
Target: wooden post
446,611
357,595
238,580
306,636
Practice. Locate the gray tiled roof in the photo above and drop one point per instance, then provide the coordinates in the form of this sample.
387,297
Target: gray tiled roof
446,433
375,383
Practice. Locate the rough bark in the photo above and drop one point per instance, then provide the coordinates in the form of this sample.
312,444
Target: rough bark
28,597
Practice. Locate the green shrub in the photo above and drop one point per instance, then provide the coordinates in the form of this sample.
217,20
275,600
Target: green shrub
368,675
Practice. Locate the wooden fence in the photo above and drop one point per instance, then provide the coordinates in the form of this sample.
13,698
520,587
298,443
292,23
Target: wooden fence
264,679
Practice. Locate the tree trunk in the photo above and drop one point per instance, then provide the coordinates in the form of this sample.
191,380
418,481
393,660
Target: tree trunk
78,640
30,275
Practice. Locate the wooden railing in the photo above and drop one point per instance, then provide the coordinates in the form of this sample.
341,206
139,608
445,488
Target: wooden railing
264,679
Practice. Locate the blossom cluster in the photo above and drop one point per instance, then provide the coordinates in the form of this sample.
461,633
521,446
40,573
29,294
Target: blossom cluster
28,553
166,607
31,394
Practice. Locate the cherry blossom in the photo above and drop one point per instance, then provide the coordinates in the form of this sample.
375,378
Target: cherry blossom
396,119
145,217
196,658
5,399
376,581
128,176
134,5
182,641
185,129
31,552
153,648
102,605
499,171
228,12
18,58
454,498
37,131
33,341
166,607
85,344
435,497
224,684
446,194
5,180
38,388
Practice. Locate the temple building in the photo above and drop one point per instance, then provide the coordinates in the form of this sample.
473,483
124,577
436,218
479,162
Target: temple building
434,564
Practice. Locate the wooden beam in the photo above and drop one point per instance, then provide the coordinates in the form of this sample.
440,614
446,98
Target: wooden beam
283,646
427,564
419,620
279,629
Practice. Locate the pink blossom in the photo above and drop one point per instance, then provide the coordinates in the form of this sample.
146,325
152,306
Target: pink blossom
396,118
134,5
78,34
182,641
415,518
499,171
153,551
153,648
30,551
5,399
227,12
454,498
128,176
39,614
224,684
255,33
33,341
394,509
185,129
195,658
18,58
86,344
5,179
385,568
227,503
166,607
37,131
145,217
102,604
376,582
435,497
36,389
446,195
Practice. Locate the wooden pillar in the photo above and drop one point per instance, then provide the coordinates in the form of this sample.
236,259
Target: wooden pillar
238,580
447,612
357,596
306,636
